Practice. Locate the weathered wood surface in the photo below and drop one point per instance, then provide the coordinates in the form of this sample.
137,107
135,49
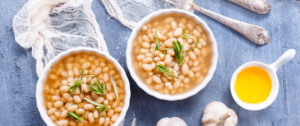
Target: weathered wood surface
18,77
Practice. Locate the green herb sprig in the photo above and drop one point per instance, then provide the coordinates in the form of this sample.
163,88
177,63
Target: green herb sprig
101,110
183,31
196,43
99,88
165,70
187,36
100,107
165,49
115,87
157,42
178,49
76,117
79,82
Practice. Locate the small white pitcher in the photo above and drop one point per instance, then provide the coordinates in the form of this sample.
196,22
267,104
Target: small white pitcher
271,69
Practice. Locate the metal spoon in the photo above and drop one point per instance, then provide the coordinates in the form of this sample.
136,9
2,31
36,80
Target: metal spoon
254,33
258,6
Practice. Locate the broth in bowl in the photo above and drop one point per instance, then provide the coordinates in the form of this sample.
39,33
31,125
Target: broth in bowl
84,88
172,53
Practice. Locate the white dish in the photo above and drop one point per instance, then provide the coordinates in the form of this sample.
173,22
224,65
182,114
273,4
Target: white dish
40,85
155,93
271,69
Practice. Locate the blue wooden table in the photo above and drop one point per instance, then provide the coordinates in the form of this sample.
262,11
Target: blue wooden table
18,77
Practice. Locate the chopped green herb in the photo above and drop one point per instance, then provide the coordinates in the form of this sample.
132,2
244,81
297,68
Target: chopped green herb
75,116
178,49
100,107
92,102
75,86
157,42
91,75
115,87
165,49
183,31
187,36
98,89
164,69
79,82
196,43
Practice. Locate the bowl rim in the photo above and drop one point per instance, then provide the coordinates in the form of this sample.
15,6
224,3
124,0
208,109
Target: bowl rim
39,87
274,91
155,93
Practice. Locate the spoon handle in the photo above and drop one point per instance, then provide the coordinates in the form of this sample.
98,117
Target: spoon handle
254,33
284,58
258,6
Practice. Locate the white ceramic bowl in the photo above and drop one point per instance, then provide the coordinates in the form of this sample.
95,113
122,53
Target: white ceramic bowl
40,85
271,69
155,93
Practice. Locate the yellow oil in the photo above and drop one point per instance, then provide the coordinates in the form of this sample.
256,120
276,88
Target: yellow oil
253,85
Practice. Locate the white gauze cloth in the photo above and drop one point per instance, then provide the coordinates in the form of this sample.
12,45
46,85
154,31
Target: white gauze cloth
50,27
130,12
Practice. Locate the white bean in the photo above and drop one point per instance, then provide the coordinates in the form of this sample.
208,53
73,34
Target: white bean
147,60
51,111
72,108
171,52
145,38
140,57
85,88
192,56
173,24
169,85
109,97
77,99
156,79
168,59
91,117
185,69
107,120
158,86
88,106
196,33
191,73
178,32
169,43
86,65
197,51
101,120
70,73
146,45
64,113
114,117
55,98
144,28
80,111
62,122
58,104
96,114
110,113
147,67
176,84
97,71
186,80
144,51
57,114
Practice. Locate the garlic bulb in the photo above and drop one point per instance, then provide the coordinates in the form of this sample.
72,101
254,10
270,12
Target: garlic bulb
217,114
174,121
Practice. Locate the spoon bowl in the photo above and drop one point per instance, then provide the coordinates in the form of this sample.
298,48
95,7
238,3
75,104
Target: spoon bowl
271,69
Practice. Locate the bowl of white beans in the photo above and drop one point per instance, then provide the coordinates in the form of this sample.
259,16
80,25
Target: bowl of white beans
83,86
172,54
